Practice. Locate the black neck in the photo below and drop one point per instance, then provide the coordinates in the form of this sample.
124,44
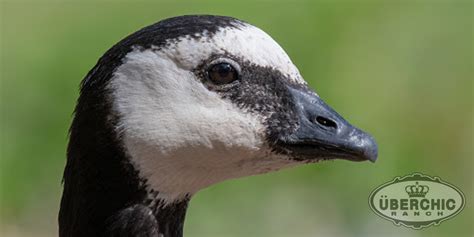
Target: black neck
170,217
167,220
103,194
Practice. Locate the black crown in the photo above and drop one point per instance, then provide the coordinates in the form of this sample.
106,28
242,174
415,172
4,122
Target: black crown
417,190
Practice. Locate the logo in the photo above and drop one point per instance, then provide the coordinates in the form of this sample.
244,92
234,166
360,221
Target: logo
417,201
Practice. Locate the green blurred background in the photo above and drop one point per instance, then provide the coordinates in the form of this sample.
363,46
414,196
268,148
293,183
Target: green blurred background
402,70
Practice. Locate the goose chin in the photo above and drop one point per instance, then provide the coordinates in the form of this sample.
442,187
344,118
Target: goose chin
313,153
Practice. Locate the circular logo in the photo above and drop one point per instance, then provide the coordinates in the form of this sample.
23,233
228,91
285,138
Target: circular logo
417,201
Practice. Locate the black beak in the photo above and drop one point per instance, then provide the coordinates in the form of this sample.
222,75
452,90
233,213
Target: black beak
324,134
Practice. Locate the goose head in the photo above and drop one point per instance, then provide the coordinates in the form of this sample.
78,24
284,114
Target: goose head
183,104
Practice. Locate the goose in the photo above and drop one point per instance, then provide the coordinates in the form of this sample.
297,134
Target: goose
183,104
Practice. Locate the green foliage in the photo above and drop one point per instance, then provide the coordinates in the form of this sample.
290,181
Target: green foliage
402,70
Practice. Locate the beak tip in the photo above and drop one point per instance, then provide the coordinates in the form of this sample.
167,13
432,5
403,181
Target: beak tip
371,150
373,159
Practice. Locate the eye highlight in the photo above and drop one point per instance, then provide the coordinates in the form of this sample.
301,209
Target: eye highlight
222,73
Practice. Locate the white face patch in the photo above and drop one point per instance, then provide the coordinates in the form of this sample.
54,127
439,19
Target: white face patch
180,136
247,42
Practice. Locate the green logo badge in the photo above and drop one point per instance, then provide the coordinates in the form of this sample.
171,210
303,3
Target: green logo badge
417,201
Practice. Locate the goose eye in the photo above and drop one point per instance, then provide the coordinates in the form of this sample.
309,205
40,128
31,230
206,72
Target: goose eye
222,73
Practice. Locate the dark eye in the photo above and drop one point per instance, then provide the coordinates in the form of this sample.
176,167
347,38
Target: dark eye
222,73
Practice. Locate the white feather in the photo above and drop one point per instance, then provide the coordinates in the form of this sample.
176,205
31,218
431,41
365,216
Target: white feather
247,42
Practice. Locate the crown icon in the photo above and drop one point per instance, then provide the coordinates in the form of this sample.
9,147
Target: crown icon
417,190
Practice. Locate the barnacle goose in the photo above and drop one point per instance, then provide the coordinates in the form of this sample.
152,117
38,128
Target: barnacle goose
183,104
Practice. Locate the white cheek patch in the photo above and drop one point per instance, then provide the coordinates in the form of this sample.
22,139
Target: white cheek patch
180,136
247,42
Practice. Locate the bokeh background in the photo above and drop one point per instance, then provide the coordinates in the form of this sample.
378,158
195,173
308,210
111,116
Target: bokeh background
402,70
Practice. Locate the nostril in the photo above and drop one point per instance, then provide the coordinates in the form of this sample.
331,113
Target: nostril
326,122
